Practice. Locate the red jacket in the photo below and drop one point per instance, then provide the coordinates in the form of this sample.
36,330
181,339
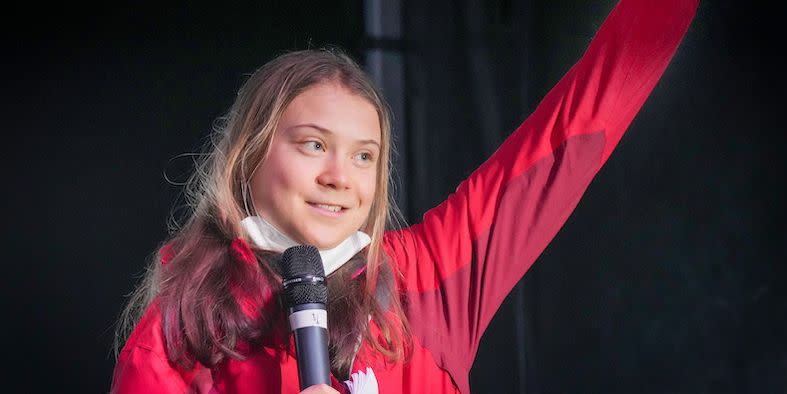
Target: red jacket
468,253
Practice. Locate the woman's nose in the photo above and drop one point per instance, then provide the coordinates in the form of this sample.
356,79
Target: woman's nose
334,175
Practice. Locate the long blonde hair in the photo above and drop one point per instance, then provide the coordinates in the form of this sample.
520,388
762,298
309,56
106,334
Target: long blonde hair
200,266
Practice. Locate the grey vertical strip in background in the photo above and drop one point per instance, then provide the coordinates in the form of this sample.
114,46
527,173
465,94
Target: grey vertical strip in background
524,317
386,67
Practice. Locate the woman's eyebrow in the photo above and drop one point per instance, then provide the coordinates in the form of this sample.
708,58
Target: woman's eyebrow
324,130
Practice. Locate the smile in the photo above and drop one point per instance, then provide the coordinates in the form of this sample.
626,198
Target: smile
327,208
332,208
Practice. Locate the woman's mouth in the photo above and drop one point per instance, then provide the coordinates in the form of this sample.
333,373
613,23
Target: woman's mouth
332,210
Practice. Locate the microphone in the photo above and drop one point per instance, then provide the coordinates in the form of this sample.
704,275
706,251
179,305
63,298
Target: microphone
306,296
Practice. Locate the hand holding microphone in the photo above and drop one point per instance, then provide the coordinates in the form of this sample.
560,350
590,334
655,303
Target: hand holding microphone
320,389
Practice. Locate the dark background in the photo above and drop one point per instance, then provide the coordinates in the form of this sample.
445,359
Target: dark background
668,277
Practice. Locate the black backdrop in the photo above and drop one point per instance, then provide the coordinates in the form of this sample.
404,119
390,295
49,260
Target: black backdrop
667,278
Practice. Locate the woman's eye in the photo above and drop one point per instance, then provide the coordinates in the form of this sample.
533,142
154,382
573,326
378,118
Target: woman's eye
365,157
314,145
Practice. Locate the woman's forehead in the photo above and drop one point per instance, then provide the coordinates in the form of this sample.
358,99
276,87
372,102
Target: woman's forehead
332,109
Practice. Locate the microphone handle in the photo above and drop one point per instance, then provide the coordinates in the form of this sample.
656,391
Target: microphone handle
311,349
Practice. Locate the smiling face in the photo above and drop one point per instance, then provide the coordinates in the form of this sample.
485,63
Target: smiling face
318,180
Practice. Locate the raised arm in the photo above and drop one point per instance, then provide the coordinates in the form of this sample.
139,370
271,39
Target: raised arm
466,255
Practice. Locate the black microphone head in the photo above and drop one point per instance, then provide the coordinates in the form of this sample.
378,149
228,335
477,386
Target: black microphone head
303,276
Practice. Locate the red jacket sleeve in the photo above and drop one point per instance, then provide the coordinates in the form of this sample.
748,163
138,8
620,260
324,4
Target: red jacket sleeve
466,255
143,367
141,370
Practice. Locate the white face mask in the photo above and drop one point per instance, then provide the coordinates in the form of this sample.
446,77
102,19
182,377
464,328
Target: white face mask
266,237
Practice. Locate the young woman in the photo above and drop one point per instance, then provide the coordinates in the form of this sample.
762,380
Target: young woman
302,157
